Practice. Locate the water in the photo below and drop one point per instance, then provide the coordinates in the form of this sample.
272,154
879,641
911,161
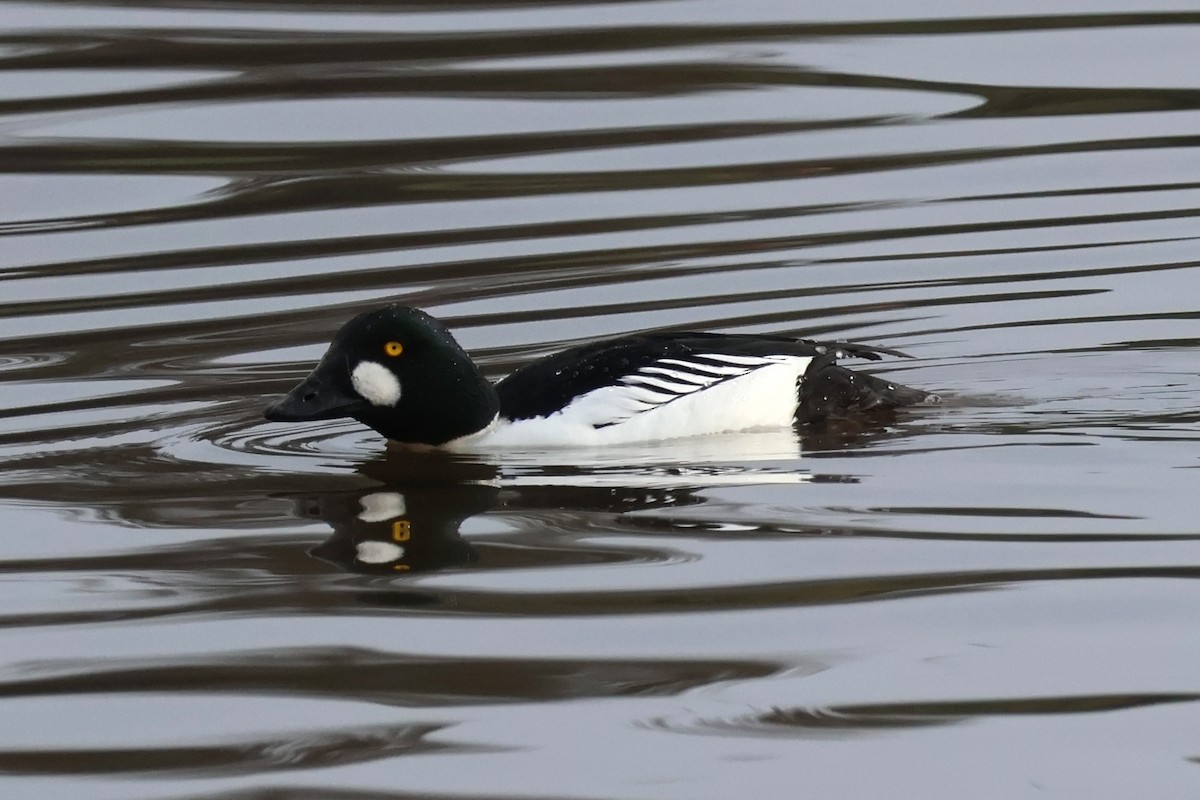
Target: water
992,596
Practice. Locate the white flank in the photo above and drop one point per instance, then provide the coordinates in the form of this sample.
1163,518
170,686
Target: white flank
762,395
376,383
371,551
381,506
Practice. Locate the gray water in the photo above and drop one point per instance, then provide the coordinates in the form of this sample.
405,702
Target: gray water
994,597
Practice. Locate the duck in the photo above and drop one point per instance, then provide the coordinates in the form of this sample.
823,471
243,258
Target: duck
401,372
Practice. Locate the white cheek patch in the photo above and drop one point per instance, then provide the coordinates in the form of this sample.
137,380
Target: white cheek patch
376,383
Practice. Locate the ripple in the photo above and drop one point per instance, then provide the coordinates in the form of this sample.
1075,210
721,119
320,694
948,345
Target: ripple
17,362
868,719
393,679
310,750
314,447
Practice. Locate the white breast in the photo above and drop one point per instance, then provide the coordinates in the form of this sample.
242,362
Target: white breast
667,400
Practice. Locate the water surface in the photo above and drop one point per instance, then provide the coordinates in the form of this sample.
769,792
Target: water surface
993,595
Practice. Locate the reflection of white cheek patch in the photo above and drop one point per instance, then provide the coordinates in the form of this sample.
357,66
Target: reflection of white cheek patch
380,506
376,383
373,552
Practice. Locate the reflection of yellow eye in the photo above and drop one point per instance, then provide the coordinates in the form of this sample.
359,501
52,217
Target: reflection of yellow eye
393,348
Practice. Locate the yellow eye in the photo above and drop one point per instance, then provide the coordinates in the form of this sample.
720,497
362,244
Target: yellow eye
393,348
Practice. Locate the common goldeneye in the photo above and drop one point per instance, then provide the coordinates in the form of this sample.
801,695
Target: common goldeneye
400,371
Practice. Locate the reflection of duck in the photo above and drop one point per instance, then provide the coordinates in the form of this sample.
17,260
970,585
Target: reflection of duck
400,371
411,528
398,532
408,521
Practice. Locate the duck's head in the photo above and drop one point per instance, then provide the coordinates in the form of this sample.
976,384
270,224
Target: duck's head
399,371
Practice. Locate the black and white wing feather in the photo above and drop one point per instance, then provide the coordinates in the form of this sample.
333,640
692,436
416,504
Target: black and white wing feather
669,379
622,378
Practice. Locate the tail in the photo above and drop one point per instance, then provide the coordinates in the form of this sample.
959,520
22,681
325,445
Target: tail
828,390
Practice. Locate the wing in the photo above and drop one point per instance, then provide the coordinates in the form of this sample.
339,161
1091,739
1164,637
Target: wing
628,376
665,381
